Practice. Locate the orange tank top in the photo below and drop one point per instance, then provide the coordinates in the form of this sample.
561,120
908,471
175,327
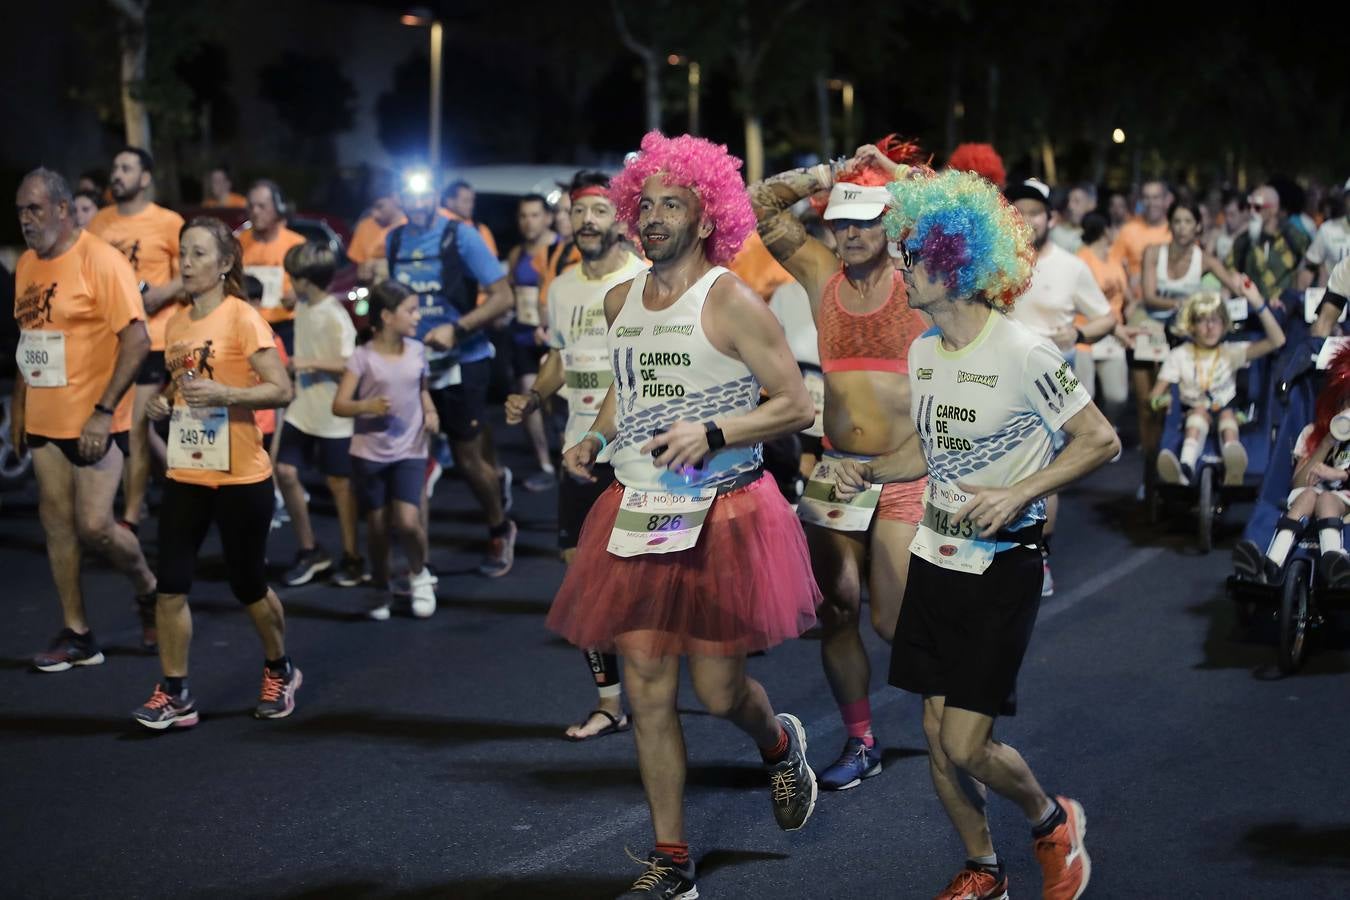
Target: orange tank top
871,342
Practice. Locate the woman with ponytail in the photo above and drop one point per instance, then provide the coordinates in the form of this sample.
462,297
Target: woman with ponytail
223,364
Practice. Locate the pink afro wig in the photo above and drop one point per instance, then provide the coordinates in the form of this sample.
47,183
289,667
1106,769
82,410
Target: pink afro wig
982,159
703,167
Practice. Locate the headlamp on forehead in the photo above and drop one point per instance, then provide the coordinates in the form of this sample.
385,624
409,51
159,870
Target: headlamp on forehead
417,182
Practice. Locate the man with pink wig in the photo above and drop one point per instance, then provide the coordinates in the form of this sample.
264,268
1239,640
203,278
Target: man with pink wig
693,552
865,323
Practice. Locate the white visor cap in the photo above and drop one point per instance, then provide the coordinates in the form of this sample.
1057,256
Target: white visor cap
855,201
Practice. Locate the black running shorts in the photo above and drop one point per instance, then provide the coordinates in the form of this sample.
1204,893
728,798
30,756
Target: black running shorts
963,636
461,407
70,447
242,514
575,499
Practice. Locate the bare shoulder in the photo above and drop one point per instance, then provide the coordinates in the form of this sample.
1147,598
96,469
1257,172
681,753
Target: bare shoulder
733,313
615,297
730,295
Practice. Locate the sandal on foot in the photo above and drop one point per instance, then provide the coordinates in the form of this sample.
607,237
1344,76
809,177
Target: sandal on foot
617,724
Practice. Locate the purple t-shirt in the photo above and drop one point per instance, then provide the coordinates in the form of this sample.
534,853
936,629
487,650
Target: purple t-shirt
398,435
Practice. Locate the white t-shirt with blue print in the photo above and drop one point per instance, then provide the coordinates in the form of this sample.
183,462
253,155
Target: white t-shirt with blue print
987,414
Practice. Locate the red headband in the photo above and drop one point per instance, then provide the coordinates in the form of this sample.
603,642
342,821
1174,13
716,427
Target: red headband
593,190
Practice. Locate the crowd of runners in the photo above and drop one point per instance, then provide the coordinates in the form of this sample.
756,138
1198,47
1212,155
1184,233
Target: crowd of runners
863,379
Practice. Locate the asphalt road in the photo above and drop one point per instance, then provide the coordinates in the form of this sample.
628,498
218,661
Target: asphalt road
425,758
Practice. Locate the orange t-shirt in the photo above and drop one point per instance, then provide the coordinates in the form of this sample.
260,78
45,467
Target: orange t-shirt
271,254
756,267
1134,236
1110,277
231,201
220,345
267,418
368,240
149,240
89,294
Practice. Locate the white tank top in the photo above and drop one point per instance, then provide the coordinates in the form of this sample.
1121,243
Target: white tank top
1187,284
666,370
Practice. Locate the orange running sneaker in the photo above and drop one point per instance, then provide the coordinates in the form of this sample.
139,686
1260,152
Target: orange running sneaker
973,883
1065,867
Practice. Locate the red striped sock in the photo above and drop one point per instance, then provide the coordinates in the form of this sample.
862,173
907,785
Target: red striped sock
678,853
779,750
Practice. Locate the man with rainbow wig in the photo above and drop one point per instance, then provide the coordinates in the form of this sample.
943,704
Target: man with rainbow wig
693,552
988,396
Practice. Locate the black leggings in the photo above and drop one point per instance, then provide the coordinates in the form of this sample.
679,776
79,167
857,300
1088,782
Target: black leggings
242,514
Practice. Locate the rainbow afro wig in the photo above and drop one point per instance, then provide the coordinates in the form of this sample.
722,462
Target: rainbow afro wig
703,167
964,232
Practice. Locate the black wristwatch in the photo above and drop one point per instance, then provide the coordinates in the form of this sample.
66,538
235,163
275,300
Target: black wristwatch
716,440
144,288
100,408
1082,338
460,332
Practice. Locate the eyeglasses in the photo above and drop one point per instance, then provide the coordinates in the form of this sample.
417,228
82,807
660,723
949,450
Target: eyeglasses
904,254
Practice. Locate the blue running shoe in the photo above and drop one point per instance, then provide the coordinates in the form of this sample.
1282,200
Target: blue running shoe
858,761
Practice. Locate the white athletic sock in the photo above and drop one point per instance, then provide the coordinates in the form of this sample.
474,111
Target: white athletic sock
1329,540
610,690
1279,546
1190,452
990,861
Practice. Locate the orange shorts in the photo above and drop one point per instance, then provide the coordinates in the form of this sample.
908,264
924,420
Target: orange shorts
902,501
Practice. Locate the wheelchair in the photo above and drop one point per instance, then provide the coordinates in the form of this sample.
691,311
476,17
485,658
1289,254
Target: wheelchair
1207,496
1299,603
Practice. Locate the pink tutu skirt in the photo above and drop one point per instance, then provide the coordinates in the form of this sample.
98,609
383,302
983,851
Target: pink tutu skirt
746,586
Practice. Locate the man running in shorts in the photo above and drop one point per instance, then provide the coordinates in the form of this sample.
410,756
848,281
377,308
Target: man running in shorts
866,326
578,368
690,347
444,262
147,234
988,397
82,340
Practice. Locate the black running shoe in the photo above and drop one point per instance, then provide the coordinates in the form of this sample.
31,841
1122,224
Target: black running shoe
277,698
163,711
1334,567
1250,563
663,879
792,784
350,572
308,563
69,649
145,609
501,553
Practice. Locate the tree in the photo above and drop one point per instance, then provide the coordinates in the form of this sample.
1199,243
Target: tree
131,35
651,57
314,99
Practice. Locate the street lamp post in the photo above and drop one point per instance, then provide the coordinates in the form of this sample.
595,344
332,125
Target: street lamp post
419,17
